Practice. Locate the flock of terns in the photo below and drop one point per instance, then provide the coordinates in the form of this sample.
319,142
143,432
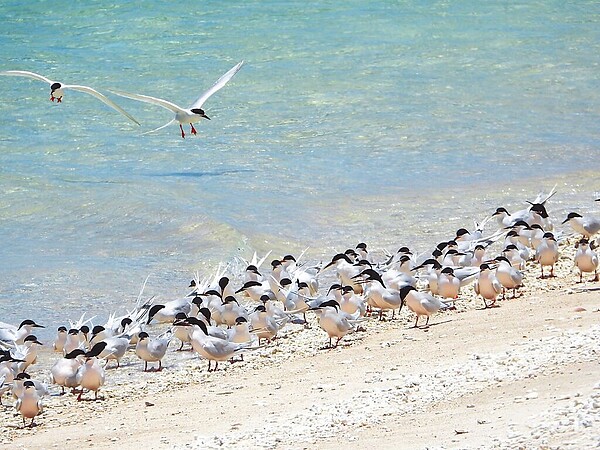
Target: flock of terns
220,321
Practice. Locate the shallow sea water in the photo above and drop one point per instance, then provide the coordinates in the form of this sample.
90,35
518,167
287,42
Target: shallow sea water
392,123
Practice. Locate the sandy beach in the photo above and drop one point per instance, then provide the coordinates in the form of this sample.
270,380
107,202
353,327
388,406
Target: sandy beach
390,123
524,374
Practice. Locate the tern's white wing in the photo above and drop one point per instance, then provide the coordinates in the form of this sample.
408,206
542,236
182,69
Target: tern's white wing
160,128
102,98
7,326
155,101
25,73
218,85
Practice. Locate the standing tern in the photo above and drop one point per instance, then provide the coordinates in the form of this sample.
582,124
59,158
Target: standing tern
57,90
487,285
547,253
29,403
90,375
189,115
334,322
61,338
508,276
421,303
18,386
215,349
18,334
585,225
586,259
64,370
152,350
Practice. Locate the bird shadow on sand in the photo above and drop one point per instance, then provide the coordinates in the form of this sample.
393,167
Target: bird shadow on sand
91,399
495,305
429,325
340,345
591,289
21,427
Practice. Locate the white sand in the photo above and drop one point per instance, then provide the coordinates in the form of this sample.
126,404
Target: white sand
523,375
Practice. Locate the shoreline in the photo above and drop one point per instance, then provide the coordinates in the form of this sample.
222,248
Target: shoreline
368,390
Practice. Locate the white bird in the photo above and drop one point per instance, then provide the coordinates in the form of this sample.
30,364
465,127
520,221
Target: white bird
61,338
189,115
334,322
231,310
99,333
256,289
363,253
72,341
421,303
167,312
29,403
278,273
508,276
152,350
586,259
64,370
434,268
478,256
57,90
10,333
547,253
116,347
585,225
346,271
448,283
240,332
215,349
224,287
351,302
4,386
181,329
206,317
536,213
265,326
27,352
513,238
18,385
90,374
487,285
8,366
378,294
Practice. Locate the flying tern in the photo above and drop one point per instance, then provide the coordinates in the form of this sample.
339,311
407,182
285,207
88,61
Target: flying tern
190,115
57,90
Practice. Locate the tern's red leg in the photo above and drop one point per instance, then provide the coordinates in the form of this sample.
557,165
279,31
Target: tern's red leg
59,100
52,98
193,129
182,133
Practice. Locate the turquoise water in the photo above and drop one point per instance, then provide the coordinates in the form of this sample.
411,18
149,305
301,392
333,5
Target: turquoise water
387,122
